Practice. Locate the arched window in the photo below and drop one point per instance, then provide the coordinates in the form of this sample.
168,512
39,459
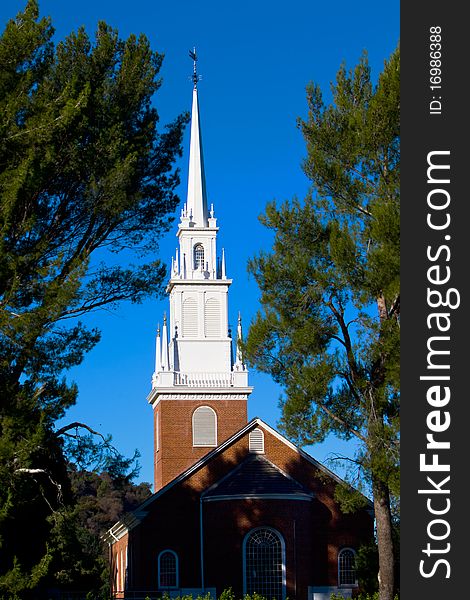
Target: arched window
264,563
256,441
198,256
347,567
204,426
168,576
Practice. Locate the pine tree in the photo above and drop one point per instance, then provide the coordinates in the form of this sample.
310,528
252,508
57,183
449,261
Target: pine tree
328,331
85,175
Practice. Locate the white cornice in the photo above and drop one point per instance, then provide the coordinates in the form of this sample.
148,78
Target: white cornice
194,393
199,230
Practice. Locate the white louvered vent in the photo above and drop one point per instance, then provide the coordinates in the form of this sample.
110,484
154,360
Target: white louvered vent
204,427
256,441
190,318
212,318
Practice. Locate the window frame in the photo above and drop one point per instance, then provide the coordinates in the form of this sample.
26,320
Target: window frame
177,570
354,554
214,445
283,558
197,258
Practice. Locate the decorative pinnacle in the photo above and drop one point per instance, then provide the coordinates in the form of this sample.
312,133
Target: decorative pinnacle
195,77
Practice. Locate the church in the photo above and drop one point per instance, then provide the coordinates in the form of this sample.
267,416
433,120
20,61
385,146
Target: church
235,504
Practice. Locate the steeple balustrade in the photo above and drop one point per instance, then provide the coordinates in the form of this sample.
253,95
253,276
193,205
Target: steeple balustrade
213,380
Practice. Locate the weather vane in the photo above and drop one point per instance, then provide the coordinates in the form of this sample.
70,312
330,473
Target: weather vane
195,77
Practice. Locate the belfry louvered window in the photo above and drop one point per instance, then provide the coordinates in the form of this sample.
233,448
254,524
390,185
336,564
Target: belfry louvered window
190,317
347,567
212,318
256,441
198,256
204,427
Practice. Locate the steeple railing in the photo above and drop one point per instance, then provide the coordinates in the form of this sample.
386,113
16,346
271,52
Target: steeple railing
212,380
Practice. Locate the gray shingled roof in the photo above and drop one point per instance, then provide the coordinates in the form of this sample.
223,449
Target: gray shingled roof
256,476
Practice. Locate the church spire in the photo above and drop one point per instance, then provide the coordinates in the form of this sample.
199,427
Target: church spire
194,353
196,204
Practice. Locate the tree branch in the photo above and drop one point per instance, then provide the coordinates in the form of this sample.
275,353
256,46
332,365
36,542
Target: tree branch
75,425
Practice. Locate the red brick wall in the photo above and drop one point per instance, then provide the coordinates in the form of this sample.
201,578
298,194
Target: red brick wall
226,523
176,452
338,529
313,531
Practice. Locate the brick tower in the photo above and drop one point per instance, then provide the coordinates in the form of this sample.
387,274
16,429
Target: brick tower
199,393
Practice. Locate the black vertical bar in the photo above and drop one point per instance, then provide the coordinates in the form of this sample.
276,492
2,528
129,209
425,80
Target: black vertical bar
435,272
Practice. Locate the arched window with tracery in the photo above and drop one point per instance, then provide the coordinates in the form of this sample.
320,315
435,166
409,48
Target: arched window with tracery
198,256
264,563
168,569
347,575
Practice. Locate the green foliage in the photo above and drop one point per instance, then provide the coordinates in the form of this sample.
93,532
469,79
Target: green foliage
367,567
227,594
85,174
328,331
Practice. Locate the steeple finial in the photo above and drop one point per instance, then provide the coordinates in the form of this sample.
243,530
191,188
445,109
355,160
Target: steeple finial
196,203
195,77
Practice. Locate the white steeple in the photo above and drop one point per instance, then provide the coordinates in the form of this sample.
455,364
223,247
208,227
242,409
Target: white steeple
199,351
194,367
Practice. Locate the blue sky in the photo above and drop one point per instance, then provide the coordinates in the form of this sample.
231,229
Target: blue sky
256,58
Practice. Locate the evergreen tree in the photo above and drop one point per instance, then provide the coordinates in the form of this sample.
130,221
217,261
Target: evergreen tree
84,174
328,331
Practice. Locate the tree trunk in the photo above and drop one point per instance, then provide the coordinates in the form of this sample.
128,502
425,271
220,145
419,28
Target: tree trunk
383,522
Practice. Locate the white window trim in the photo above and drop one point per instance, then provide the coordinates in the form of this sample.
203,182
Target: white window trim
216,432
347,585
169,587
283,557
